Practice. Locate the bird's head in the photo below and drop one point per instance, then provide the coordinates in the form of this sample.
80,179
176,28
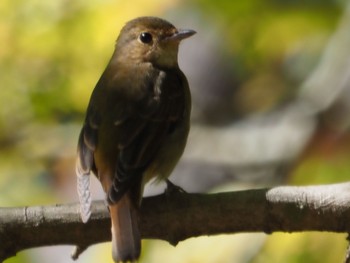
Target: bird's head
150,40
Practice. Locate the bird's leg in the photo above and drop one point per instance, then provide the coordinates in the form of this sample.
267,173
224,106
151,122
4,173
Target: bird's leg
172,188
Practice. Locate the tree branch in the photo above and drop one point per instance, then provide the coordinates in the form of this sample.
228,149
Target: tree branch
176,216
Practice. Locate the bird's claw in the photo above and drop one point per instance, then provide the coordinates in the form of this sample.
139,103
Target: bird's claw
172,188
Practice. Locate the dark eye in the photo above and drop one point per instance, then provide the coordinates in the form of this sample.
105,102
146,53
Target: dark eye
145,37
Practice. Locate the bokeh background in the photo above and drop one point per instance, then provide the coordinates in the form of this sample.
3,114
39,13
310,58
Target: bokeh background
270,85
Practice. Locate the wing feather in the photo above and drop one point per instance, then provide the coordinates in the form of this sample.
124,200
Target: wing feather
145,133
86,145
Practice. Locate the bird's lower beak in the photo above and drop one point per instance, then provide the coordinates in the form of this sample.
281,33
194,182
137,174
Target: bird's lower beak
181,34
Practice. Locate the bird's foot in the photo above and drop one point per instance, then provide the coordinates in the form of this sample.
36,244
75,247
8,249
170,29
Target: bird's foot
172,188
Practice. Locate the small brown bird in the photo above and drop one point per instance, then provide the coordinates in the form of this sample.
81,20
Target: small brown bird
136,125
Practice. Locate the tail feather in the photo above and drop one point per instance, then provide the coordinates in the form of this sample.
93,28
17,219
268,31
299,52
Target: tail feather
126,239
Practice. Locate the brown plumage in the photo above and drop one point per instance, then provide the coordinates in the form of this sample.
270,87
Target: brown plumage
136,125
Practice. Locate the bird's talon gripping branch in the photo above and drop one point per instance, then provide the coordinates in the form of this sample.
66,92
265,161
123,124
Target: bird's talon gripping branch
173,188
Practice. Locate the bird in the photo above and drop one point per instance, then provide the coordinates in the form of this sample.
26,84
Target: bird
136,126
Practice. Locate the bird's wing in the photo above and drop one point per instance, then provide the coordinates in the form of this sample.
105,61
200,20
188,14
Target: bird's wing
85,162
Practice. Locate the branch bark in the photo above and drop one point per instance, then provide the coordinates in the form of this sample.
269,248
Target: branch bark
175,216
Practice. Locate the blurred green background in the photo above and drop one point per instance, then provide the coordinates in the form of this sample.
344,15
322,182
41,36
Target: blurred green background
53,52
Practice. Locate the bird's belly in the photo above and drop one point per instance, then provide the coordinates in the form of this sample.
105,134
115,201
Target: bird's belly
167,156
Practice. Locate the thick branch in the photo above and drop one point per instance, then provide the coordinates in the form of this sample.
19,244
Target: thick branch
176,216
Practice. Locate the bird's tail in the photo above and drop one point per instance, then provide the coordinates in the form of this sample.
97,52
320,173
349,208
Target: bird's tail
126,239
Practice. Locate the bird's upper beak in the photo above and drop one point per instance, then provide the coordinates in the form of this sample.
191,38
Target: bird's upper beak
180,35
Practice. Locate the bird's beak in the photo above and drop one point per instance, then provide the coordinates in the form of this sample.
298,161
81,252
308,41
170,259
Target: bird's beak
180,35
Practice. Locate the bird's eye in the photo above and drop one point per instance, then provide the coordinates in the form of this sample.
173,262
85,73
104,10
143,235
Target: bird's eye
145,37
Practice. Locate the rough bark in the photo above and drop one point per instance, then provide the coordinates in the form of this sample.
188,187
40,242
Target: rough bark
175,216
